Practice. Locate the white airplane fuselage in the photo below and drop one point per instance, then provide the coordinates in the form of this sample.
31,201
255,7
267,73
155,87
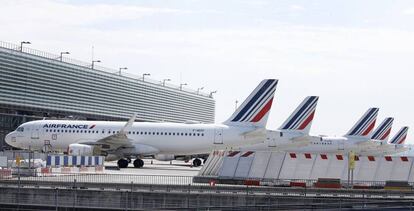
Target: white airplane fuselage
164,138
291,142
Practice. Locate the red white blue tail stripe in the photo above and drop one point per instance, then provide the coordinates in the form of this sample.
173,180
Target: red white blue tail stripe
365,125
400,137
383,130
302,117
257,105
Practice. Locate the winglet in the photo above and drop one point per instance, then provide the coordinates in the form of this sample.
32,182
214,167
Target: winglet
301,119
383,130
129,123
400,137
254,111
364,126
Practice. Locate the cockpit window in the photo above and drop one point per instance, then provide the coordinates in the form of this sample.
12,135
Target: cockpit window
20,129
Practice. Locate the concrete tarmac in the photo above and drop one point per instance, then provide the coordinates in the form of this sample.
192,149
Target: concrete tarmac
175,168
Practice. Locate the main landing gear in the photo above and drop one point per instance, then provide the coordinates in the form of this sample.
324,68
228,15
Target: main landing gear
123,163
138,163
196,162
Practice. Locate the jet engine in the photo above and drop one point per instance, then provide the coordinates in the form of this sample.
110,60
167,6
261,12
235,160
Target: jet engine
83,150
164,157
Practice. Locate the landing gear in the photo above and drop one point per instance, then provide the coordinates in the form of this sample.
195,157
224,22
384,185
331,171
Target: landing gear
122,163
204,160
196,162
138,163
128,159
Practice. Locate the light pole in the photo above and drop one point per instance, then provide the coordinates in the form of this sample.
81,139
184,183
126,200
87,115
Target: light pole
93,62
181,85
22,43
145,74
198,90
236,105
122,68
212,92
61,55
163,81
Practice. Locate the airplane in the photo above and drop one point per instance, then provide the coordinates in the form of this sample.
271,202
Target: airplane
351,141
122,141
293,132
396,145
379,138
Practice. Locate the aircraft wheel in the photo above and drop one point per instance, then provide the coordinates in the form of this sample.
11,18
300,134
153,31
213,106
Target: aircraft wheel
122,163
204,160
196,162
138,163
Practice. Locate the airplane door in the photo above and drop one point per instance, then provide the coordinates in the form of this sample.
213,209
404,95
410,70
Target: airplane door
271,140
218,136
35,132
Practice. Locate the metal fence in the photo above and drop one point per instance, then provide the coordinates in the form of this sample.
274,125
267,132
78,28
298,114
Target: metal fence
227,197
125,178
113,72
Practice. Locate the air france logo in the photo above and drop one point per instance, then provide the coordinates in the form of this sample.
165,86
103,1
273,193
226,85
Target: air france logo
68,126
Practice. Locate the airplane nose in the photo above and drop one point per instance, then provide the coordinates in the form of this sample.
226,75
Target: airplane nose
8,139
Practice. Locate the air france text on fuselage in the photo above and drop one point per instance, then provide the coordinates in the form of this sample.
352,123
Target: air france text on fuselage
67,126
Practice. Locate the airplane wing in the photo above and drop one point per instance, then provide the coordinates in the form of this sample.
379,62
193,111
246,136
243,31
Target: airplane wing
117,140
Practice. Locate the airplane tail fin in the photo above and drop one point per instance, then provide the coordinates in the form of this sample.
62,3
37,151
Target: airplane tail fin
364,126
301,119
400,137
254,111
382,132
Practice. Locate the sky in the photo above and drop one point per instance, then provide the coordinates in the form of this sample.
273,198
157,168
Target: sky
353,54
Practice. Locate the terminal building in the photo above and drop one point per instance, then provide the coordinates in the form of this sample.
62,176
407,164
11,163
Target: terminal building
36,85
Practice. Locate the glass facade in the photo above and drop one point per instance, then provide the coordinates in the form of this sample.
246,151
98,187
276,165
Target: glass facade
30,81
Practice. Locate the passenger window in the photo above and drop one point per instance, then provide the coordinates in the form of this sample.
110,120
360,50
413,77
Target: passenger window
158,133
